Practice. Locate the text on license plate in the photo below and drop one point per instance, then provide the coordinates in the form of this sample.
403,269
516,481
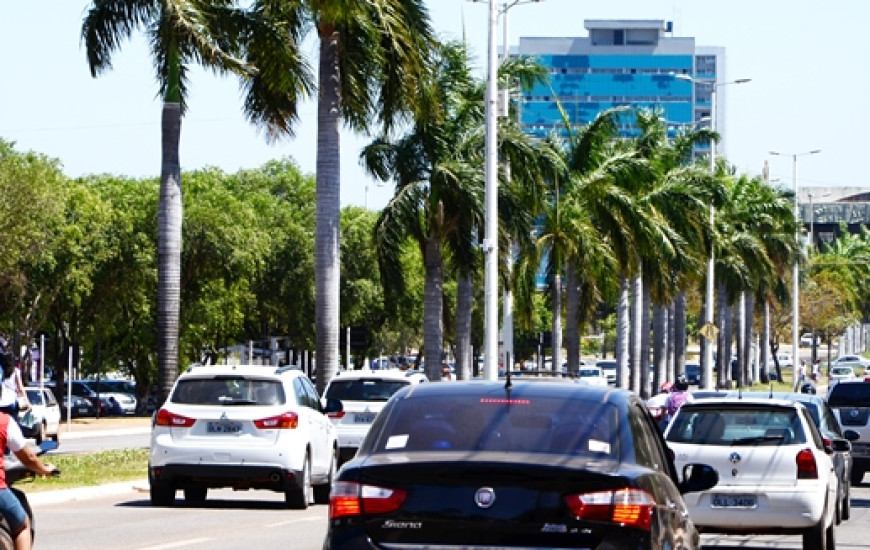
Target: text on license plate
224,427
364,418
734,501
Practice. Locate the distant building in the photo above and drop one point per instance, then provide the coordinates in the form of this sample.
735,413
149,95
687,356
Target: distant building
637,63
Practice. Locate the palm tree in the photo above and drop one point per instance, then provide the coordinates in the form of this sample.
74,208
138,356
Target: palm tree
180,33
373,58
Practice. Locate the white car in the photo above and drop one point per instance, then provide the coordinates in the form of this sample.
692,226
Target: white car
245,427
45,415
784,361
841,373
775,473
363,393
121,392
609,368
591,375
851,361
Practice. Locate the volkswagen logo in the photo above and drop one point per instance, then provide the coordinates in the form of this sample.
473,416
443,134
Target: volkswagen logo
853,413
734,458
484,497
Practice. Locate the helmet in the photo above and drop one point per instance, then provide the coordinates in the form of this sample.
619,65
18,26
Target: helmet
682,383
666,387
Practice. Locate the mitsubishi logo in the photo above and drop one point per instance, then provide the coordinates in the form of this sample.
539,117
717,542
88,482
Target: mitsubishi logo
734,458
484,497
224,415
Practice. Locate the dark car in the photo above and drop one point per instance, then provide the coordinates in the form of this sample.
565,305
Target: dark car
513,464
850,402
693,373
830,429
77,408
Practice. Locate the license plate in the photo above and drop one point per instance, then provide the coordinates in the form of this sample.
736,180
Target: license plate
364,418
224,427
735,501
83,411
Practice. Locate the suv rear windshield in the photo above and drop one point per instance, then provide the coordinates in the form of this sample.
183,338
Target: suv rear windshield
228,390
364,389
849,395
737,426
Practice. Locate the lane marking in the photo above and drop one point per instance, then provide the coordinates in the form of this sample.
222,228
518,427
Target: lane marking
177,544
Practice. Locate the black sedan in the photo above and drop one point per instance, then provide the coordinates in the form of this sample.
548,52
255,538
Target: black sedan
80,407
513,464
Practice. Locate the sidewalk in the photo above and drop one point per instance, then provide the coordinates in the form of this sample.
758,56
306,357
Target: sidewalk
111,425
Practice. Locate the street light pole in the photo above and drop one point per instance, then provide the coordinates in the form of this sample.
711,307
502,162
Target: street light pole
795,291
710,298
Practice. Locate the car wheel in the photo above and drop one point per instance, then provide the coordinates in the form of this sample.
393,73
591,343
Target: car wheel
819,535
857,476
298,497
162,494
321,492
39,434
195,495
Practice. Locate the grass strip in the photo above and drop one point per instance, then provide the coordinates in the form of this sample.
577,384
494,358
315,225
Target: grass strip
91,469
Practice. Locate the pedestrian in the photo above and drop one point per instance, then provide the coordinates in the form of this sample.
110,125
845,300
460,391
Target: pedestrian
802,371
446,374
678,395
11,388
817,367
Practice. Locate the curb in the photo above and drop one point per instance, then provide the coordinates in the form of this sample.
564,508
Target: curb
64,435
44,498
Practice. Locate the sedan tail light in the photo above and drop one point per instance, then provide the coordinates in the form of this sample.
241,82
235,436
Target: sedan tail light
356,499
630,507
166,418
806,465
286,421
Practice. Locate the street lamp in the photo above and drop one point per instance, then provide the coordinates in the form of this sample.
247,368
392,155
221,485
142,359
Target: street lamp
490,239
708,334
795,293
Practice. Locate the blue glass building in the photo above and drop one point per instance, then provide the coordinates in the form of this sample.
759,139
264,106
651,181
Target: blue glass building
637,63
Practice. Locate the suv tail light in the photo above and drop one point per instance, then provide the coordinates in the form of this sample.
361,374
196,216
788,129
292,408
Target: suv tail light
286,421
806,465
339,414
166,418
630,507
356,499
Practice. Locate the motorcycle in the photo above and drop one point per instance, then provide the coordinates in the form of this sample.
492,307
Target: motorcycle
15,472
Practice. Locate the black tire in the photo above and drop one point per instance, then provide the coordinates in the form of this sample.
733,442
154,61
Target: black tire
162,494
321,492
819,536
298,497
857,475
195,495
39,434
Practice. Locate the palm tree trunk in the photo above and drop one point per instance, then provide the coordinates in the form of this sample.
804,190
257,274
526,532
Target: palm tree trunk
643,378
660,346
679,333
169,220
327,232
723,344
623,322
557,323
433,308
464,289
636,324
764,352
572,317
751,365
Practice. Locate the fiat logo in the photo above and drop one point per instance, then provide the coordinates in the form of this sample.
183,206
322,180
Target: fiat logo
484,497
734,458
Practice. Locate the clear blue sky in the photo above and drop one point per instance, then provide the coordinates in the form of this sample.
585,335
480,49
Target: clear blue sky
802,56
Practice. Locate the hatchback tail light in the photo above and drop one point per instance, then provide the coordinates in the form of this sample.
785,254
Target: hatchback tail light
630,507
348,499
166,418
806,465
286,421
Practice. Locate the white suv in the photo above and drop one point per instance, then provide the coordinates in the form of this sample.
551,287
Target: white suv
245,427
363,393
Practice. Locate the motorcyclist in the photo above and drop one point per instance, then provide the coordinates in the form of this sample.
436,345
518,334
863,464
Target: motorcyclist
10,507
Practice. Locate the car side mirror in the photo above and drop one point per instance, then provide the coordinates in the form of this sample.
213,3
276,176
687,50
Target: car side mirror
851,435
698,477
841,445
333,405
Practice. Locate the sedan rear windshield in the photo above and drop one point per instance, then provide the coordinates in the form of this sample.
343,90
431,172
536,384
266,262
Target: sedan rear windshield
849,395
471,423
364,389
234,390
737,426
